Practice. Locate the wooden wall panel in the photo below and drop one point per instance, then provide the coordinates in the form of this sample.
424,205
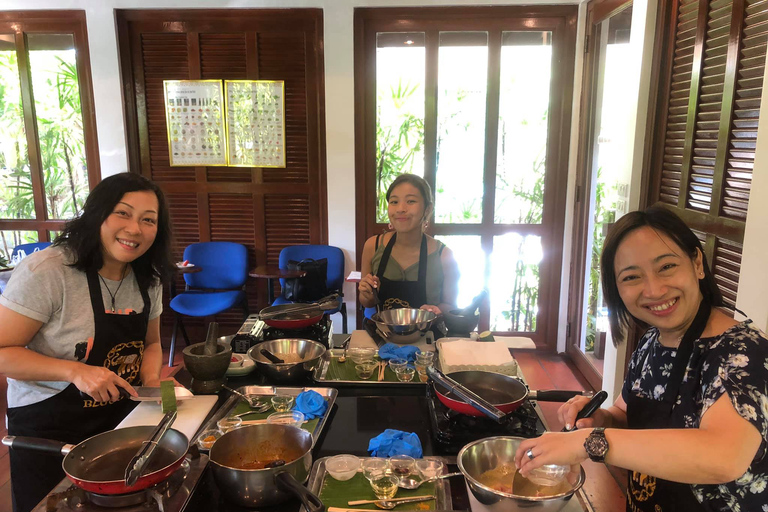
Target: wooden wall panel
264,209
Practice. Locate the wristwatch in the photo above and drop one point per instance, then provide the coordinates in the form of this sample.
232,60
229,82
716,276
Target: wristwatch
596,445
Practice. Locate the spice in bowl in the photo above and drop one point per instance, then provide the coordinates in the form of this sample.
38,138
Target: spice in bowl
207,437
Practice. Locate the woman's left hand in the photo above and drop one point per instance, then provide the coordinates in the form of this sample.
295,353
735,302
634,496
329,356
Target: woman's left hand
433,309
564,448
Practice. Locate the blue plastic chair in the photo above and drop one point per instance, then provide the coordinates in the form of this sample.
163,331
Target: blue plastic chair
27,249
334,279
218,287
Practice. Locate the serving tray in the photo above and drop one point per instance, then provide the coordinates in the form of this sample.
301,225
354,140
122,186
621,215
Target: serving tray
335,494
331,372
236,405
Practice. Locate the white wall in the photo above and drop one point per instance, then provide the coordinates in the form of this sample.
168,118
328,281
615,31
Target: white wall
753,280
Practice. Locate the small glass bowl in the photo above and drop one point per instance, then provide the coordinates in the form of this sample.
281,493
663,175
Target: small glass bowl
402,466
429,468
282,403
361,355
384,485
374,465
365,370
548,474
207,437
342,467
396,363
406,374
425,357
293,418
229,423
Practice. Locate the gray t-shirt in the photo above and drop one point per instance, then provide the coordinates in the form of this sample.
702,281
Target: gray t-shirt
44,288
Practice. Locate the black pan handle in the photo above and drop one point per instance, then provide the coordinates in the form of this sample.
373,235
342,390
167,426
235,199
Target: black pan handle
286,482
590,408
37,444
556,395
272,357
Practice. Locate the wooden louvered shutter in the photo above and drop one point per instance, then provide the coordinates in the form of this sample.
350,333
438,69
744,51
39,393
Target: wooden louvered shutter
709,104
263,209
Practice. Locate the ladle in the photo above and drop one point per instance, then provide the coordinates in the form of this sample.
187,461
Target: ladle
411,483
272,357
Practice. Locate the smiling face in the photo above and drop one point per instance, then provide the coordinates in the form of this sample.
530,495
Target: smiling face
131,228
658,282
406,208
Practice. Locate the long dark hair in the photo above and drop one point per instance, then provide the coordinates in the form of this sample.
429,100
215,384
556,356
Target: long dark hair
418,182
660,220
82,235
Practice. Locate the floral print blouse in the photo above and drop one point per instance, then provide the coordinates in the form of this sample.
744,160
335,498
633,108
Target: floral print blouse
736,362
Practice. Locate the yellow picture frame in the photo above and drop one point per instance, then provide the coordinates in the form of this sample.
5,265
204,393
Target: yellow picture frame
255,123
194,116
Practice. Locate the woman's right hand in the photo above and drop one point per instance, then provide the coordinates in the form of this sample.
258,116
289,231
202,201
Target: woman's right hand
366,286
100,383
568,411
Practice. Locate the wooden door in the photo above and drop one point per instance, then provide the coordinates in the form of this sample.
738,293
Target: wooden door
264,209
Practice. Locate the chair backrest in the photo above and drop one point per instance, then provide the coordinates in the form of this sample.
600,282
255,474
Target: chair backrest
23,250
224,264
335,278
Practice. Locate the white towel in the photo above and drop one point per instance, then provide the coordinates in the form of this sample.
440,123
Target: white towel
462,354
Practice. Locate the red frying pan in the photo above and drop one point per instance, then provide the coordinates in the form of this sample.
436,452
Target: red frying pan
504,392
98,463
285,318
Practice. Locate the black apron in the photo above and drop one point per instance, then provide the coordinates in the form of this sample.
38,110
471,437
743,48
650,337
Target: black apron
646,493
118,344
403,294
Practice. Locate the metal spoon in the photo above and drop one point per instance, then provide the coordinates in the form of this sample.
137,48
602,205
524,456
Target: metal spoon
343,356
411,483
253,402
389,505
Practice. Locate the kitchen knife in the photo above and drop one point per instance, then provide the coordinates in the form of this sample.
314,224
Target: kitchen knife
153,394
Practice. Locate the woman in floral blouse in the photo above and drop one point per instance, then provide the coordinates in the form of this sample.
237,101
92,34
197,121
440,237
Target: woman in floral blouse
692,421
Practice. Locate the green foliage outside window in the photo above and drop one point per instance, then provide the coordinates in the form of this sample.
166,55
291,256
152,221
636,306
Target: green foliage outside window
396,146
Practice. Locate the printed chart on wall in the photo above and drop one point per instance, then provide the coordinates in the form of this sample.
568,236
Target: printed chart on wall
194,113
256,122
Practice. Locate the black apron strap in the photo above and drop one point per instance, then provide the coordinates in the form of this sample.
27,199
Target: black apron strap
684,351
385,256
423,269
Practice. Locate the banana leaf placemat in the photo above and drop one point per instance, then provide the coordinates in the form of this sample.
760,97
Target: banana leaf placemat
331,371
334,493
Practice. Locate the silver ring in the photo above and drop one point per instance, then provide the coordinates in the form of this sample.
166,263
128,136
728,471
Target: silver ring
530,454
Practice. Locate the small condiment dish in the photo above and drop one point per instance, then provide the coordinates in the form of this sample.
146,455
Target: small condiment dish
282,403
236,361
361,355
229,423
406,374
342,467
548,474
207,437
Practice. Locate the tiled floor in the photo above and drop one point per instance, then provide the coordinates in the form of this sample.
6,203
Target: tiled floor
543,371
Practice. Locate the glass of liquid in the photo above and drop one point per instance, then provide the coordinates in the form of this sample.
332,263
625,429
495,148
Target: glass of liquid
384,485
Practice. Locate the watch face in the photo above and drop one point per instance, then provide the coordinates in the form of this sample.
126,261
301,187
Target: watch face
596,445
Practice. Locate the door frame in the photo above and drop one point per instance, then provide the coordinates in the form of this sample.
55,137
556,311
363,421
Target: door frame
597,12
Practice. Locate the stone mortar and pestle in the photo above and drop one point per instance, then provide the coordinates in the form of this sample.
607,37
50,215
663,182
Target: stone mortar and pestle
461,321
208,362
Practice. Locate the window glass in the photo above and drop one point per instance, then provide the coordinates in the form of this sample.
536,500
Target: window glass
471,261
16,201
515,277
526,60
400,68
59,122
462,85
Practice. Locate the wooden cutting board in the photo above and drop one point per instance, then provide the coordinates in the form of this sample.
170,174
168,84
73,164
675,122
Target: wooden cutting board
192,412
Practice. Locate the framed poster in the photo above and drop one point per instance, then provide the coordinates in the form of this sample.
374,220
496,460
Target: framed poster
194,115
255,123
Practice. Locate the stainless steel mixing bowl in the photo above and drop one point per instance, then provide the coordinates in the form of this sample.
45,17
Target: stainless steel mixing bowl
403,325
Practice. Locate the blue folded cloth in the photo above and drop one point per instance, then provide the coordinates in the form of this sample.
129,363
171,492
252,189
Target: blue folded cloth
395,442
392,351
311,403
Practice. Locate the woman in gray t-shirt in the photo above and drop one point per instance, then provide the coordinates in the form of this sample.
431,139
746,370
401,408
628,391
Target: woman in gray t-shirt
81,320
